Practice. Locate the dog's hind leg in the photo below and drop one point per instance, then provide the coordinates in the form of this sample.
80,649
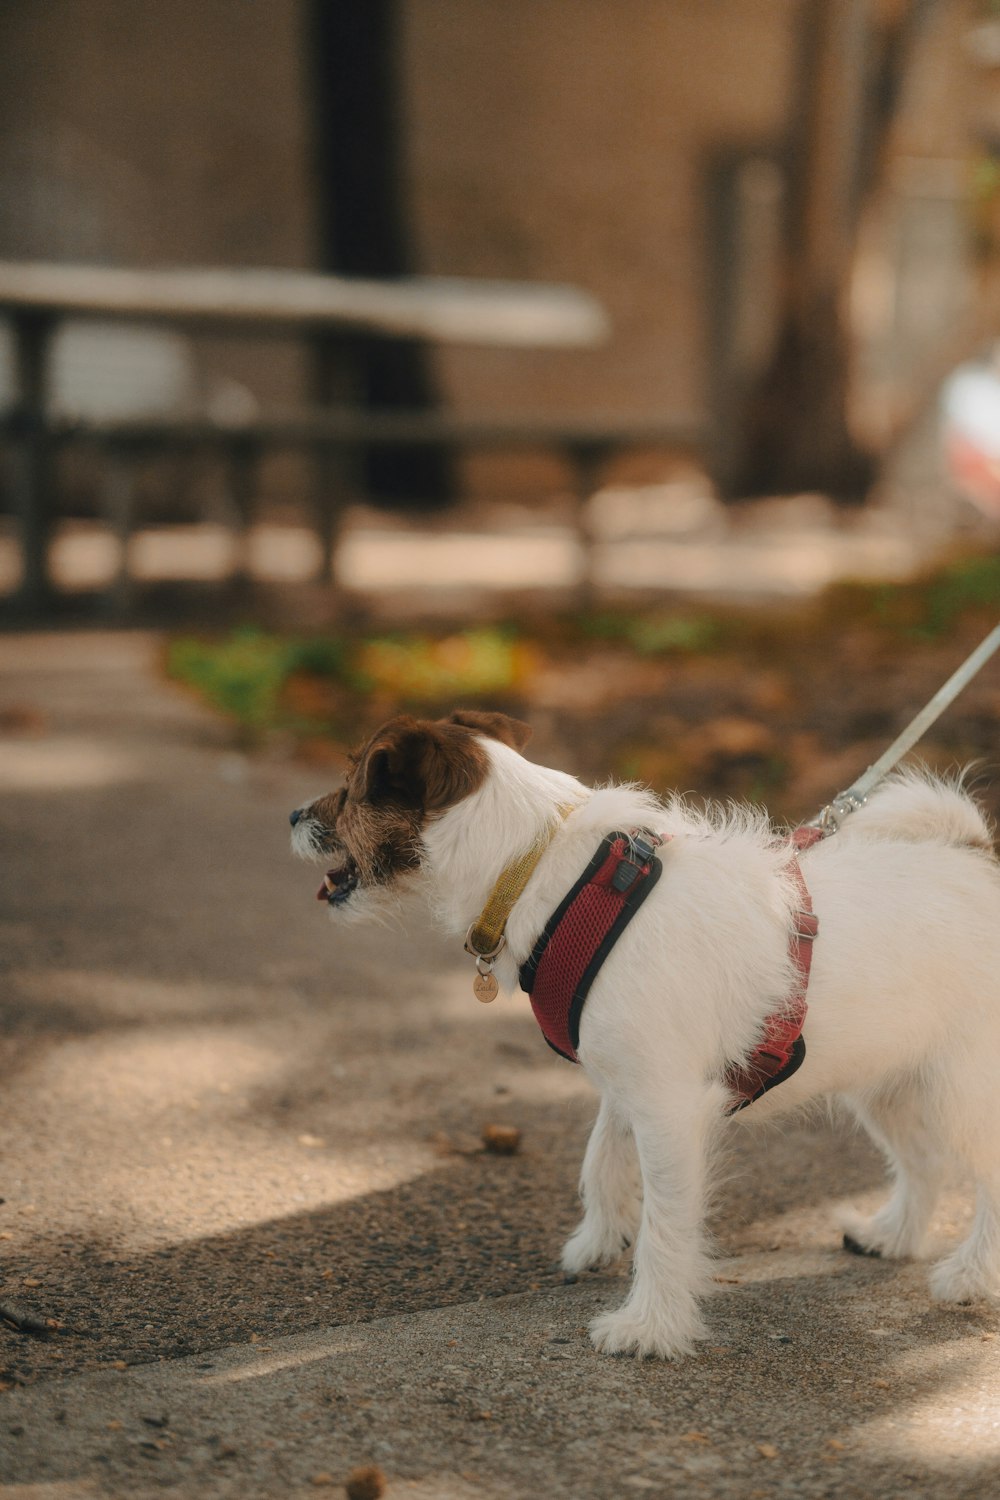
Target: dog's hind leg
897,1124
611,1193
973,1270
969,1121
661,1315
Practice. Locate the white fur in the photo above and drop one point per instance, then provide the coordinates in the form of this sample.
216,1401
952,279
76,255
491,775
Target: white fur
903,1022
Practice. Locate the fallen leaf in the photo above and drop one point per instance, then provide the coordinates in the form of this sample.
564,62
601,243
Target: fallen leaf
22,718
767,1450
501,1140
365,1484
24,1320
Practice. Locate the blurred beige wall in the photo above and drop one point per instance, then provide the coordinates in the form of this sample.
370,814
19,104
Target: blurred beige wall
146,132
169,131
568,141
548,139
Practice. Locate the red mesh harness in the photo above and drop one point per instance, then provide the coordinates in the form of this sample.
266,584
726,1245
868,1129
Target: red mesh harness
589,921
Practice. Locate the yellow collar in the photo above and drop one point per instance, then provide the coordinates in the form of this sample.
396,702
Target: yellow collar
485,937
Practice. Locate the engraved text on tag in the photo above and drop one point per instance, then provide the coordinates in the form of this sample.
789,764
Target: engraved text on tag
485,988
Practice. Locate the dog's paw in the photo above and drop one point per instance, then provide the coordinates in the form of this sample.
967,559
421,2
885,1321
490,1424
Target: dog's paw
592,1245
862,1235
855,1247
953,1280
626,1331
880,1236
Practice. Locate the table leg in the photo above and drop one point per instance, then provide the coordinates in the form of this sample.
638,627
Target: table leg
587,460
33,465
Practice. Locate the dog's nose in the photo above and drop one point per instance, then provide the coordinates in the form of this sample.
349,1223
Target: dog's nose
293,817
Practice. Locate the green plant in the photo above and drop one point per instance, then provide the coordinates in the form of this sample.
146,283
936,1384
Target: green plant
656,634
248,673
242,675
421,669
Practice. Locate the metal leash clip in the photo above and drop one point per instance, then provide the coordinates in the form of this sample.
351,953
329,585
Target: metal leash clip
829,818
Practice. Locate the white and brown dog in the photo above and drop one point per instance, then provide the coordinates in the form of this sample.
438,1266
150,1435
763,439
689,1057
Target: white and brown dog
903,1003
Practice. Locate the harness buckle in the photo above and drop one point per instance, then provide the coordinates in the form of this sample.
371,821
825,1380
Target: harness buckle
806,925
642,847
625,876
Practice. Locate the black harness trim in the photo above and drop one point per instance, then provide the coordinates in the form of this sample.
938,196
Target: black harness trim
631,880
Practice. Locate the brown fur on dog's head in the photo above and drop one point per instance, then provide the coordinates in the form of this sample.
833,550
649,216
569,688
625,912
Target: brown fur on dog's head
409,771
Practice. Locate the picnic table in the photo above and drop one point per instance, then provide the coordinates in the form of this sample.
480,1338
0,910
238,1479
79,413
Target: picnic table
37,297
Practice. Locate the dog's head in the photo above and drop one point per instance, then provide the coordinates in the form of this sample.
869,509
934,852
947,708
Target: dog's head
410,771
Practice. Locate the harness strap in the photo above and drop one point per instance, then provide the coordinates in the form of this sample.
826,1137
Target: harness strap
592,916
782,1048
582,931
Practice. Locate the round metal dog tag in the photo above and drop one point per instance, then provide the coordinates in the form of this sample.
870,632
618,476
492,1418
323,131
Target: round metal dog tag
485,988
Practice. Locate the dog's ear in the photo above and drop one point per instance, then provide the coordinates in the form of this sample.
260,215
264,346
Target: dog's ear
512,732
430,766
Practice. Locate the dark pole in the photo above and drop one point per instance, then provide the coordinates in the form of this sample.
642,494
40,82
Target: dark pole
363,227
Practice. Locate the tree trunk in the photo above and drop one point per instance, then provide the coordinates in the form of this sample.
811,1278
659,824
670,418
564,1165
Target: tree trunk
794,434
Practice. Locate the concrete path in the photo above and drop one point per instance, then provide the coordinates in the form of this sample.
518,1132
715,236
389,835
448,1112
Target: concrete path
241,1169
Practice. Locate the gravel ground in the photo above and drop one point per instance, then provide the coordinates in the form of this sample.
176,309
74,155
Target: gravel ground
242,1170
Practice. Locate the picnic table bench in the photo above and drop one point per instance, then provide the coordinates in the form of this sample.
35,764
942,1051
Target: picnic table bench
37,297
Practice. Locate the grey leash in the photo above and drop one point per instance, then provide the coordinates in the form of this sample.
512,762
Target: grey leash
844,803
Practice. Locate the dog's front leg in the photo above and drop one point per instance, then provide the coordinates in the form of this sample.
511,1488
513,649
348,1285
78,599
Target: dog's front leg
609,1187
660,1317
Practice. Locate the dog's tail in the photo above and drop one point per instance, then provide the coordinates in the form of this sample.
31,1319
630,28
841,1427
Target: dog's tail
920,807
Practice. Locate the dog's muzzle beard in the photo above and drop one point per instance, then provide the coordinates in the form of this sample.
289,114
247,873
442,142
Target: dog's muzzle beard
311,839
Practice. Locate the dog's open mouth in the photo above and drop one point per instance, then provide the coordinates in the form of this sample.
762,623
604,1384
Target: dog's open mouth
338,884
